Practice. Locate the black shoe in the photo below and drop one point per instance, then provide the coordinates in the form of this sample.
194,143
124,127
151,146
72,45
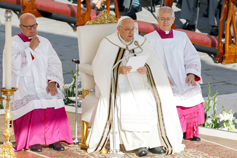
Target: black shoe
192,139
214,30
184,135
36,148
142,151
187,26
157,150
195,138
133,9
57,146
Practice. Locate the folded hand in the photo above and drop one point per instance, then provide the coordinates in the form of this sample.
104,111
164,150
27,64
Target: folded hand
125,70
142,70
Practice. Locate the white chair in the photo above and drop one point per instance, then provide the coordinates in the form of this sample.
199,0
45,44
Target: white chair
89,38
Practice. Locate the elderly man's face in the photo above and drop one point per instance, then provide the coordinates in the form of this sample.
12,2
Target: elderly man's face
28,26
165,20
126,30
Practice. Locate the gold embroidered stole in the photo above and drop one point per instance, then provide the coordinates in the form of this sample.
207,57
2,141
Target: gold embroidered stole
108,125
161,123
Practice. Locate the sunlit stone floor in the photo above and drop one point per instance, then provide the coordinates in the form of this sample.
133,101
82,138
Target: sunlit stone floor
207,148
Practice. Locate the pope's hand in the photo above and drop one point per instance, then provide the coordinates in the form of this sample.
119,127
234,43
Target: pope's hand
142,70
191,80
171,83
34,42
125,70
52,88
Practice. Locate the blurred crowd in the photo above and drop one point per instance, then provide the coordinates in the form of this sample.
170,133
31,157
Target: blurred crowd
189,9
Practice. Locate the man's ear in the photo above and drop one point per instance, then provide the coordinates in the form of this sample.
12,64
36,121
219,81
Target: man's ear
118,28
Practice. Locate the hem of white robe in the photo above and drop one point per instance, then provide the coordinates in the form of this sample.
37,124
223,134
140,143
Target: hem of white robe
145,141
190,102
37,104
178,149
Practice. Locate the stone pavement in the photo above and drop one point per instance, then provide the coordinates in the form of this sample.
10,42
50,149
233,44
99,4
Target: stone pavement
208,147
59,30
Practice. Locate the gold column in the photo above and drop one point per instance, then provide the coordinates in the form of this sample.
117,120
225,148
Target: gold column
6,150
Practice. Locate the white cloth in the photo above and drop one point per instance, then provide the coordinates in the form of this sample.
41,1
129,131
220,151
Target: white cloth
179,58
136,105
31,76
123,18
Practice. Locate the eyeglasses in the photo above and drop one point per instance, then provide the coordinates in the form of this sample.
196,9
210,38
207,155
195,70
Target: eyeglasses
29,27
129,30
168,19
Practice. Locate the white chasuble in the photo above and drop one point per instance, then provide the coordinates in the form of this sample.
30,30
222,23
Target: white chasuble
31,71
179,58
144,102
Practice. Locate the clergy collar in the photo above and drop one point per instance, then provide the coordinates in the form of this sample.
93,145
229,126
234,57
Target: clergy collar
115,40
124,42
24,37
165,34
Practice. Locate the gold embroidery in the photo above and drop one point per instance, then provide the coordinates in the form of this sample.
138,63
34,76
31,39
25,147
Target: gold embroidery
104,18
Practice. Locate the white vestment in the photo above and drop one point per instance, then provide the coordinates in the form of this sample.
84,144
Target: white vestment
147,114
31,76
179,58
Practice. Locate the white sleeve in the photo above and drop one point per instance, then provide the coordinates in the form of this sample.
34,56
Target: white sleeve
54,70
21,60
192,60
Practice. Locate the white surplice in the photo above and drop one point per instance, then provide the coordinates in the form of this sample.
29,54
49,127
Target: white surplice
137,108
179,58
31,76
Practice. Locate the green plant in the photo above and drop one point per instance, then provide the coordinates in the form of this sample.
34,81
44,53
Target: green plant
211,120
227,121
69,90
1,106
223,121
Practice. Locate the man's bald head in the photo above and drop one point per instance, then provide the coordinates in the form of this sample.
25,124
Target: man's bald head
28,24
126,29
26,16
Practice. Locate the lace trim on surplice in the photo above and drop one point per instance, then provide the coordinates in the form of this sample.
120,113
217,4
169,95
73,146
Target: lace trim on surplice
23,59
50,73
187,94
28,98
196,67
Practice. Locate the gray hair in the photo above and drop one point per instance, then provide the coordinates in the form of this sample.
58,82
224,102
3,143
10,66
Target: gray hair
165,8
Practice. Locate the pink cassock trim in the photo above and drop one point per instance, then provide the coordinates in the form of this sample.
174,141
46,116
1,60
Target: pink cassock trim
163,35
190,118
23,37
42,126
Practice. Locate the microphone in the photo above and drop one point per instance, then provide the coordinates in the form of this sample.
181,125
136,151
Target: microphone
132,54
138,45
